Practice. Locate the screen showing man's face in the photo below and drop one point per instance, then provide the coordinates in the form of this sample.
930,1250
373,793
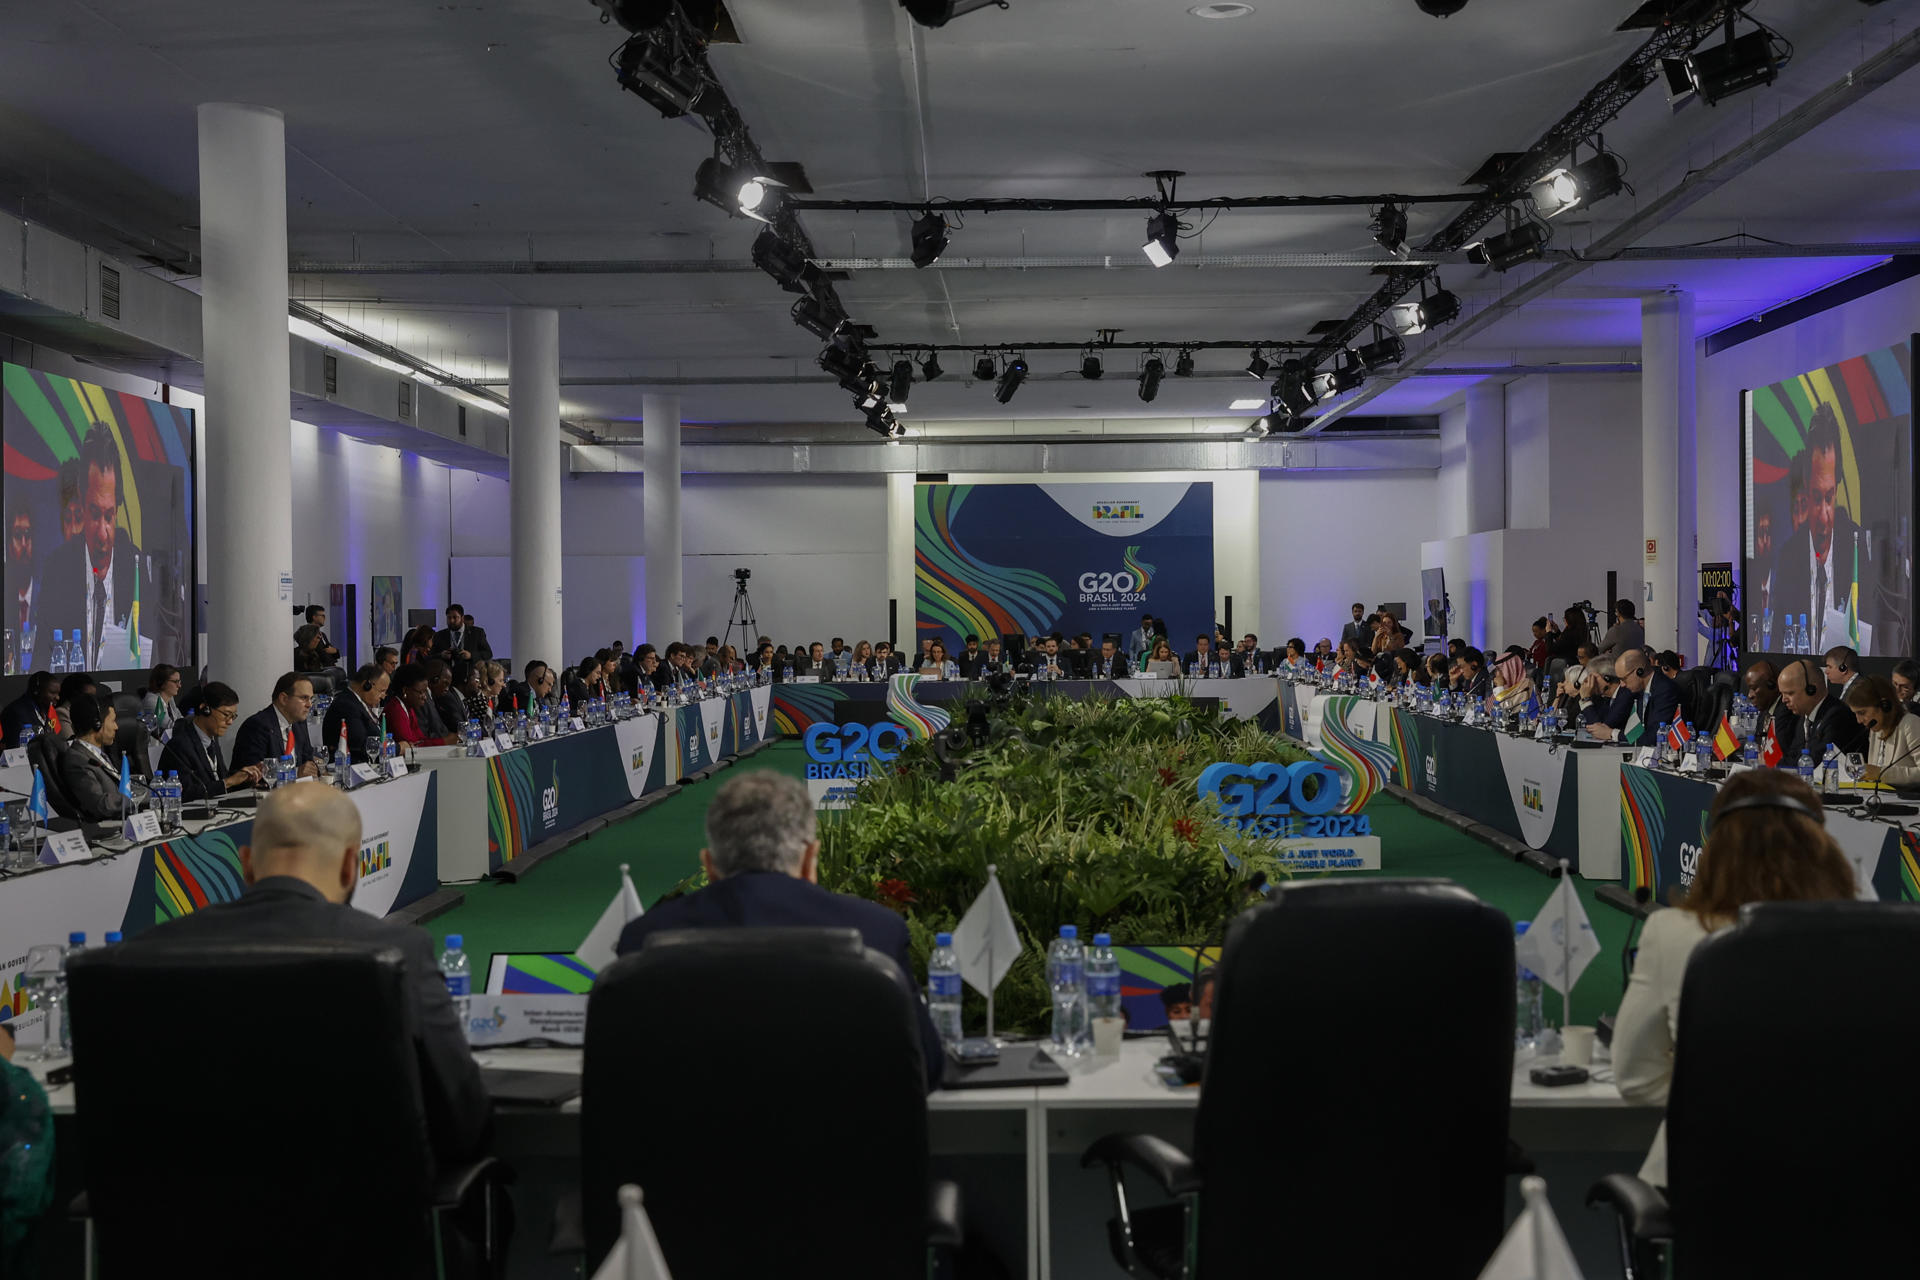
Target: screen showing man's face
20,540
1824,481
97,509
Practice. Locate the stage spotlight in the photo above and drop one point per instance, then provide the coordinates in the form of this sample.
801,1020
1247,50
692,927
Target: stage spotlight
1391,349
1739,63
1150,374
880,420
930,367
1576,186
1290,390
1010,379
659,70
1258,366
938,13
1523,243
1348,374
929,238
900,385
1390,230
1183,364
1441,8
844,365
1090,366
812,315
1438,308
983,368
738,191
1163,239
786,264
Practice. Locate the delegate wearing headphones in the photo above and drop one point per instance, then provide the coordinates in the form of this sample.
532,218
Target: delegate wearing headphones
1644,693
1893,732
357,713
1820,719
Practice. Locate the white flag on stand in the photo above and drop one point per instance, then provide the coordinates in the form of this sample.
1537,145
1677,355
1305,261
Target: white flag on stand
1535,1247
985,940
1560,943
596,949
636,1254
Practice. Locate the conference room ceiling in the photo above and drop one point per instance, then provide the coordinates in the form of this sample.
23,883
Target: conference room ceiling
494,131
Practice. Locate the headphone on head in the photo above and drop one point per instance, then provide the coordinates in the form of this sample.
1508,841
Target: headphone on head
1772,800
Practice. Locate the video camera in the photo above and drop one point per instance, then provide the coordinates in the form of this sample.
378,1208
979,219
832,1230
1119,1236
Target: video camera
741,575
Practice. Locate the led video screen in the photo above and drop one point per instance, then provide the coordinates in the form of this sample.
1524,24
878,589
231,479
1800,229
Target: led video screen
98,500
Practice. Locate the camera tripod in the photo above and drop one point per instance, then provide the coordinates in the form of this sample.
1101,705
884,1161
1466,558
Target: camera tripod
741,617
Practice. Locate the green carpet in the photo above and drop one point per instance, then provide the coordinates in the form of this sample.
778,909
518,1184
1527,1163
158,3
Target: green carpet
555,906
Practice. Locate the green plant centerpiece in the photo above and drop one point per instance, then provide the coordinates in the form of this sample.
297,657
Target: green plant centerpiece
1089,808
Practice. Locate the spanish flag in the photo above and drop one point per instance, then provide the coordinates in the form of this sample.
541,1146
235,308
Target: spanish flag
1725,744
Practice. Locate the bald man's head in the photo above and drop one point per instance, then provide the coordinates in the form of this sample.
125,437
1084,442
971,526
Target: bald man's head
310,832
1802,687
1634,670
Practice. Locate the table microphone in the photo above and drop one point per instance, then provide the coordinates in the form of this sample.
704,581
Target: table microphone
1873,806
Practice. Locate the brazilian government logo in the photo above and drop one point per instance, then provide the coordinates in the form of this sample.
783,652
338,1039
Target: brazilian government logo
375,855
1117,511
639,759
1530,796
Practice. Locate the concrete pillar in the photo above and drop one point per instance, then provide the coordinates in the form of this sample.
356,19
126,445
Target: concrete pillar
660,519
1486,456
249,443
900,588
1668,469
533,484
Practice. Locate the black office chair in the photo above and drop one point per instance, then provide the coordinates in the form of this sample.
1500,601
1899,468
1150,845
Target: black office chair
764,1089
44,753
1786,1154
1303,1089
1695,687
273,1089
1725,685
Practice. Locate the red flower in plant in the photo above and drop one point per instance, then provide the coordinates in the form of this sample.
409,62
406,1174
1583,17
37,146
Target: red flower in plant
1168,777
1187,829
896,892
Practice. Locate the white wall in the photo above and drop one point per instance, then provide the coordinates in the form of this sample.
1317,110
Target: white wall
1329,538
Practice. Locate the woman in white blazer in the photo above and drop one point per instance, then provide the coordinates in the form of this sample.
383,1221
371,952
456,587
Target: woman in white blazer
1766,841
1893,732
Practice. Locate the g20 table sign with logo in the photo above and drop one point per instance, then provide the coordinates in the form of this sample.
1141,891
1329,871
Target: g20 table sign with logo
839,755
1303,810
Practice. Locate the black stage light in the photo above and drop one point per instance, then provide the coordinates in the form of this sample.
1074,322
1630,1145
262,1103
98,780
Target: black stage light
929,238
983,368
1183,364
938,13
739,191
1440,307
659,72
1523,243
812,315
1348,374
1150,374
786,264
1441,8
1390,230
880,419
1391,349
1258,366
1090,366
1163,239
1576,186
1290,389
1741,62
844,365
930,367
1010,379
900,385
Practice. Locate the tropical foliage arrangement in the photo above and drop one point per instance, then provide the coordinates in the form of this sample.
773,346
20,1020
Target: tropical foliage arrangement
1090,811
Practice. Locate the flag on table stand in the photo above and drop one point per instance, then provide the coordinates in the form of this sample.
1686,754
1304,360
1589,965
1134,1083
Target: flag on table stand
596,950
37,801
636,1254
1535,1248
1678,734
986,942
1560,943
1771,755
1635,728
1726,743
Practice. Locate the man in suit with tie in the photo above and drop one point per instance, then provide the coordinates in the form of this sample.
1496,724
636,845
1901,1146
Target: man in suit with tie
462,644
1111,664
1140,639
88,769
762,864
1645,692
280,729
357,712
300,868
89,579
1814,569
194,749
1357,633
1819,718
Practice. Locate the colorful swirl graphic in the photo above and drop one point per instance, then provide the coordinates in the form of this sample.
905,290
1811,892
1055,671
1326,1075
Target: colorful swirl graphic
191,873
1365,763
510,801
797,707
1909,866
1643,825
1142,571
957,594
920,720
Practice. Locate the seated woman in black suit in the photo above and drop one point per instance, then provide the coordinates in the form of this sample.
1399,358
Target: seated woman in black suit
88,766
194,750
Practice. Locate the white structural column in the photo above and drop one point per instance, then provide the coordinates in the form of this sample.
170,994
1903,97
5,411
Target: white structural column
247,429
660,496
1667,468
533,483
1486,457
900,584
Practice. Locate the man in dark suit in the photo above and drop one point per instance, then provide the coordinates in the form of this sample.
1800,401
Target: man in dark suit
533,692
275,730
1814,569
357,711
1357,633
1763,688
300,870
194,749
89,580
462,644
970,658
1644,691
1110,664
89,768
762,863
1819,718
33,708
1201,655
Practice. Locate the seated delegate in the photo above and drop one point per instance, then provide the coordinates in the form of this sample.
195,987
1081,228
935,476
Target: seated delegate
90,766
193,751
1766,842
1893,732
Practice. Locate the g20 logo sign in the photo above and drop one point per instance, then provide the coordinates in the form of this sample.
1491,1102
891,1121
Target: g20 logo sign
1279,801
851,750
1099,582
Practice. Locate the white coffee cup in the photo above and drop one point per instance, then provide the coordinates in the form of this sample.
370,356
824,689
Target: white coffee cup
1576,1046
1107,1034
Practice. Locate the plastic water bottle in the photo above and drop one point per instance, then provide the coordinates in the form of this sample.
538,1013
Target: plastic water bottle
176,794
113,937
459,976
1066,978
59,653
1702,753
1829,775
565,719
1750,754
1529,1021
285,771
1806,767
76,943
1103,980
6,838
943,989
343,766
786,673
76,652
